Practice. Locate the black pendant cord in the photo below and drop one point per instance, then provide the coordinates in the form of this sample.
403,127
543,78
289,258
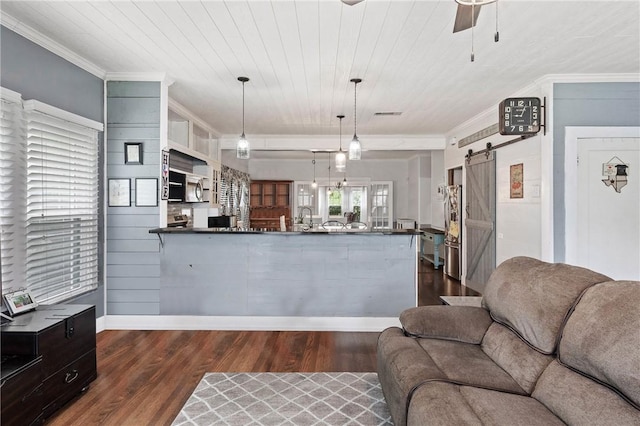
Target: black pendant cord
355,112
496,37
243,108
473,24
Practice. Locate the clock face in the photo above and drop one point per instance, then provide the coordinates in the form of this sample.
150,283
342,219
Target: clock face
520,116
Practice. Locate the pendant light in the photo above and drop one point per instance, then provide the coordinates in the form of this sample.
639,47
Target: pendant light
341,157
242,147
329,188
314,184
355,149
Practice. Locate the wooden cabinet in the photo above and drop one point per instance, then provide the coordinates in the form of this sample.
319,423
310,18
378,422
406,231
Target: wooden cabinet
63,340
270,199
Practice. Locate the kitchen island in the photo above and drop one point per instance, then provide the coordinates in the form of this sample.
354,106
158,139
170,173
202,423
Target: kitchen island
301,280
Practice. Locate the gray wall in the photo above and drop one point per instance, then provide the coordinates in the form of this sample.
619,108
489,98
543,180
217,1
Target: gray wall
133,255
288,274
585,104
38,74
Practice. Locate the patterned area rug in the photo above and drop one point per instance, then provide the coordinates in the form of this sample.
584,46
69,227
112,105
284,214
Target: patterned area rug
299,399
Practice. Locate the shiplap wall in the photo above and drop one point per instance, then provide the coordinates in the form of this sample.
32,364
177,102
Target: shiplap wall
133,255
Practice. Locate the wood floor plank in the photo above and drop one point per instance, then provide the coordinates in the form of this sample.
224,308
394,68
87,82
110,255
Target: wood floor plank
145,377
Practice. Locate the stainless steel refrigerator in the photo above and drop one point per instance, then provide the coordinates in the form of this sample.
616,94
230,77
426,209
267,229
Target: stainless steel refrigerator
453,231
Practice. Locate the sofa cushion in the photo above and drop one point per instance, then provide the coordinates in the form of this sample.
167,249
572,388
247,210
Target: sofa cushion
437,403
515,356
462,323
467,364
533,297
602,337
578,400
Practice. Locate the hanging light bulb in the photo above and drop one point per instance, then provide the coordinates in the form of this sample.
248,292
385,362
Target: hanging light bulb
242,147
355,149
314,184
341,157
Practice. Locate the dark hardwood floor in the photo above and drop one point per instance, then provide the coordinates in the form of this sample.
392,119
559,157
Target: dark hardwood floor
145,377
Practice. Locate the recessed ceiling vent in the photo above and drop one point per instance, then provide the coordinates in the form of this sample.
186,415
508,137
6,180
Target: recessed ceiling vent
387,113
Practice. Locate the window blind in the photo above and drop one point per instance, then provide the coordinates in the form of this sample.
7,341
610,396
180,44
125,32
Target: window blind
61,204
13,184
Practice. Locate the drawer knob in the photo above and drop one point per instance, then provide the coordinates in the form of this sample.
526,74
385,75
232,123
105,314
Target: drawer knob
70,377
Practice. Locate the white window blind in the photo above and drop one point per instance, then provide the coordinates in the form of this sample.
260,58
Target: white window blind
13,184
61,203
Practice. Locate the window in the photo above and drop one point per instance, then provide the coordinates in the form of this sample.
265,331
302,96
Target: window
13,182
59,225
335,203
381,205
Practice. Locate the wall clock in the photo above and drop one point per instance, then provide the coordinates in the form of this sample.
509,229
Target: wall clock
519,116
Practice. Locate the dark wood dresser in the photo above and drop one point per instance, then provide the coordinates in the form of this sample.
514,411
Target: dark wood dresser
48,357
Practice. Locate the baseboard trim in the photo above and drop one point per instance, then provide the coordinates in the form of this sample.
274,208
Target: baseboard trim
100,324
250,323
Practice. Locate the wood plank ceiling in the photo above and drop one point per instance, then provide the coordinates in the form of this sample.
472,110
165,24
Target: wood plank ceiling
300,55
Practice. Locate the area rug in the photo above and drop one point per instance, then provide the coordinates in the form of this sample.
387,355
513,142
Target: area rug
299,399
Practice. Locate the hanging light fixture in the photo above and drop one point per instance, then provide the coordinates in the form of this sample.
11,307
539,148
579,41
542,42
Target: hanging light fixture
355,149
341,157
314,184
329,188
242,147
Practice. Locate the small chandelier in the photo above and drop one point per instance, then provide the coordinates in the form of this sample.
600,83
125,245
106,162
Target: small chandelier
355,149
242,147
314,184
341,157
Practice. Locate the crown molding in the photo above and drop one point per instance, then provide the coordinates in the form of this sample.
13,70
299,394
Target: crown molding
41,40
589,78
140,76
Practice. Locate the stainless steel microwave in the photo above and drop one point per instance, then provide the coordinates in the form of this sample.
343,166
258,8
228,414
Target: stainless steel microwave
193,190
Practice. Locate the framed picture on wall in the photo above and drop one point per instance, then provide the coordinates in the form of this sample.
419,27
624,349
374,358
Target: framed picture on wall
516,181
146,192
133,153
119,192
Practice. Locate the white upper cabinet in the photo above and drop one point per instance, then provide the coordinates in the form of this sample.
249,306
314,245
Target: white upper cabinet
190,135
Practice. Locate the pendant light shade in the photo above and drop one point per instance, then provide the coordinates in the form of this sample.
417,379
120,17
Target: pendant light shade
242,147
341,157
355,148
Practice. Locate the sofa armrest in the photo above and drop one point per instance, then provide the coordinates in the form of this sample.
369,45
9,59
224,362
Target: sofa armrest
461,323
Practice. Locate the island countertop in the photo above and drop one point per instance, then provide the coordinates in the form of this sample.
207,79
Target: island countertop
182,230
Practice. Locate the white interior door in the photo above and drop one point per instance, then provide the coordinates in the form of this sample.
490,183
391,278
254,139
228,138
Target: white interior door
608,228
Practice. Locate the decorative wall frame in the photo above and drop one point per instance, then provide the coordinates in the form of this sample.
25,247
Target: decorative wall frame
119,192
133,153
146,192
516,181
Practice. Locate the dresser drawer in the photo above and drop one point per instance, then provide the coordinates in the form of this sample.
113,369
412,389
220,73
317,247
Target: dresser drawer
67,340
21,396
66,383
428,237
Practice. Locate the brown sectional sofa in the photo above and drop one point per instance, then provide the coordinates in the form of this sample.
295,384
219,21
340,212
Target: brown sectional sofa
552,344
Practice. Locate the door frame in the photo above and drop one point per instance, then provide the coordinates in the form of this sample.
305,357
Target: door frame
572,134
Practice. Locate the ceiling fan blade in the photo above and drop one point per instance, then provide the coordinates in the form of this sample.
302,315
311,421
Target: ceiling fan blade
351,2
463,17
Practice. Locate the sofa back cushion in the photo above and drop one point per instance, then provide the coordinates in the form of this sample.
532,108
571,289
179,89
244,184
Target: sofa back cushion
533,297
602,337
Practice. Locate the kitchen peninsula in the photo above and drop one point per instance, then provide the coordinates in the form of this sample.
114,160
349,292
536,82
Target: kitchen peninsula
320,275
